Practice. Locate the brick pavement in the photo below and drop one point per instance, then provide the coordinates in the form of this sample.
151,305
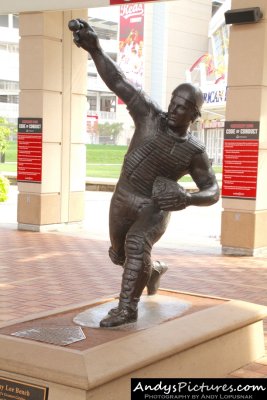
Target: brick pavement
44,271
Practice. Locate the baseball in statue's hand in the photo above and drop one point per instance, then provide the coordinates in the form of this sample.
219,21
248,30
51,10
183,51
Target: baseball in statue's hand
75,25
84,35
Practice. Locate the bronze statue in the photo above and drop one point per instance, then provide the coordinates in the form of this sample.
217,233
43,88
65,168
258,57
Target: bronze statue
161,151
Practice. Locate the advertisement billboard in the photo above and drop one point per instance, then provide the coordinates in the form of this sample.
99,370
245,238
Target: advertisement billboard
131,43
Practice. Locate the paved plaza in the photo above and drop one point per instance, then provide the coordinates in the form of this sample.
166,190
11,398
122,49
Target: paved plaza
46,271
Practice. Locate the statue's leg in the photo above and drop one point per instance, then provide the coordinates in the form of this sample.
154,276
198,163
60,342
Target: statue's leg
148,228
119,225
137,269
158,269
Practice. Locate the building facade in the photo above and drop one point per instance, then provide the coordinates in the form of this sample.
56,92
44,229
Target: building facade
9,67
176,35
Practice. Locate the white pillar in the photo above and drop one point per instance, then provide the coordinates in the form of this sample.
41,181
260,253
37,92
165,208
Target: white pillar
53,75
244,221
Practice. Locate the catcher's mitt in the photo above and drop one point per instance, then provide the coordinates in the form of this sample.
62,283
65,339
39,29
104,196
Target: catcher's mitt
169,195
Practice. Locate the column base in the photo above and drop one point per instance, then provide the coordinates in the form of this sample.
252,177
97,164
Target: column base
239,251
243,233
50,227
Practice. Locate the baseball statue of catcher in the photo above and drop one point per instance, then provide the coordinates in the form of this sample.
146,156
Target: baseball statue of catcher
162,150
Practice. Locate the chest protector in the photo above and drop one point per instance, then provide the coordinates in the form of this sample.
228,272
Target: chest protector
161,155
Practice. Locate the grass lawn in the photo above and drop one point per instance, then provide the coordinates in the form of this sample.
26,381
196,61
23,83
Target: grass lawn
103,171
11,153
5,167
105,154
102,161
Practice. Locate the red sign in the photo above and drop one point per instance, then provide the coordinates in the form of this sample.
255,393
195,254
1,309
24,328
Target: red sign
240,159
92,123
113,2
92,129
29,150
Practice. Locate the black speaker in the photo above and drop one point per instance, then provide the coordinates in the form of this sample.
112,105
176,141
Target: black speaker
243,15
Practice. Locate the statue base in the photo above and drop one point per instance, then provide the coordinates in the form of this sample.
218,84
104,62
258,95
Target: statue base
178,335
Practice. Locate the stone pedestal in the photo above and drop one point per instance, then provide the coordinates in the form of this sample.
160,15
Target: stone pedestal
209,337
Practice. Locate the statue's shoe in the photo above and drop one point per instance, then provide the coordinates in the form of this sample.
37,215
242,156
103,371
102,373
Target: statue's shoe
119,316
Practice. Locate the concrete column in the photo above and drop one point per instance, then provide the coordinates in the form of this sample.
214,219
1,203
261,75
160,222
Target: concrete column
244,222
53,87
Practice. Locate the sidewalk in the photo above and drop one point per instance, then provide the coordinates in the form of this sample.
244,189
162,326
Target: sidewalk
44,271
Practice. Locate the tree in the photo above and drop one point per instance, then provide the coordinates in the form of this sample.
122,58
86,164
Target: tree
110,132
4,188
4,135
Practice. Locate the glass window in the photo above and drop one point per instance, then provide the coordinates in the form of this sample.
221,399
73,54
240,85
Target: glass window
13,99
9,99
3,98
108,103
9,85
4,20
15,21
92,103
13,48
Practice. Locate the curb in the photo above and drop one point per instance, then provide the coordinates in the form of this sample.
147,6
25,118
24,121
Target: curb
105,184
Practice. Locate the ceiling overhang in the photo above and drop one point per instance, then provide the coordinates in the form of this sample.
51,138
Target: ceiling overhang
17,6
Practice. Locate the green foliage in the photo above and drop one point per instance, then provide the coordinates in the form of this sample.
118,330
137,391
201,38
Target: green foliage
110,131
4,188
4,134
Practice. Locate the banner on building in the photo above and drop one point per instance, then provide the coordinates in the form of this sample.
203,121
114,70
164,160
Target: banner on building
131,37
220,44
214,95
240,159
30,134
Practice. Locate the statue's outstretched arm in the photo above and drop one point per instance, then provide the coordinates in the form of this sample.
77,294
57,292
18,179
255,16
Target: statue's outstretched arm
84,36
